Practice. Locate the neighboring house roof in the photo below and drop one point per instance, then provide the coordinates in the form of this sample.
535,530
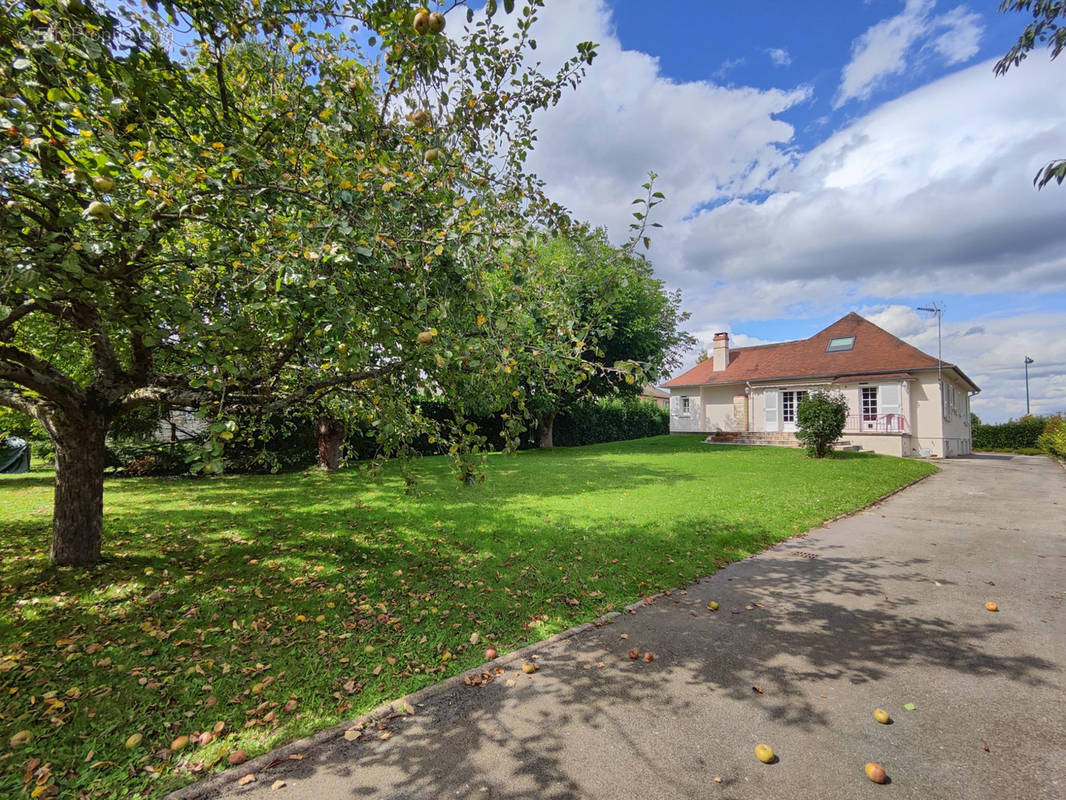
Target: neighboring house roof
653,391
876,352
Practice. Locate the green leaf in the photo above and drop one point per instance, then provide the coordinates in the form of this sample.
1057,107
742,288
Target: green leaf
909,706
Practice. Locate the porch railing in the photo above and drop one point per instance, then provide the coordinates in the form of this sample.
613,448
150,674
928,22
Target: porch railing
876,423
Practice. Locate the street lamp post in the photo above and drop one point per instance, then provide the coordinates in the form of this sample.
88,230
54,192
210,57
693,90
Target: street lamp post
1028,361
936,309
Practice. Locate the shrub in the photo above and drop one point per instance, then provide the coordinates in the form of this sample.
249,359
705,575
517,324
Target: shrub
820,419
1053,439
1012,435
609,419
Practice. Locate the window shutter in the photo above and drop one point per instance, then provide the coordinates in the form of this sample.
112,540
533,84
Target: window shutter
889,401
770,408
675,404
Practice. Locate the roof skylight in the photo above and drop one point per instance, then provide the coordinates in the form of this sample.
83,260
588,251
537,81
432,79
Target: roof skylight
840,344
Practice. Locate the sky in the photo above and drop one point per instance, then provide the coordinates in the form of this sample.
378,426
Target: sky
825,157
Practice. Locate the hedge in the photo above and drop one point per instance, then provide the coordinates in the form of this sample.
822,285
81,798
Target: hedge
610,420
1053,439
1012,435
291,441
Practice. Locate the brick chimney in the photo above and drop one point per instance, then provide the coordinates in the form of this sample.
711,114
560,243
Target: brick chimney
721,351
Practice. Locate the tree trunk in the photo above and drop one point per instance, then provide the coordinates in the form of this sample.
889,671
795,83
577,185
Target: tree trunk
78,514
330,435
545,430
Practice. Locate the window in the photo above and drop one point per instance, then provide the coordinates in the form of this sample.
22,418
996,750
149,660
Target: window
685,405
869,403
789,403
840,344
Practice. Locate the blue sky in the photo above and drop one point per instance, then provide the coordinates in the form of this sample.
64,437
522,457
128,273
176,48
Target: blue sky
826,157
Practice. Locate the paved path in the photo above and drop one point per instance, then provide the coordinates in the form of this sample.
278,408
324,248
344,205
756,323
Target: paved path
881,609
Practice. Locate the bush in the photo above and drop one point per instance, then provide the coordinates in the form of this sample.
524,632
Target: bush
820,419
609,419
1053,439
1012,435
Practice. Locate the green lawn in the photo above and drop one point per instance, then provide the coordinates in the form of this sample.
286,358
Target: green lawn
223,599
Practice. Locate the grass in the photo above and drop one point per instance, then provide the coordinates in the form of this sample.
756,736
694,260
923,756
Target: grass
220,600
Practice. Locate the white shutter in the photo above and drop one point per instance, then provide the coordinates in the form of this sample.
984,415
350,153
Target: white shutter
889,402
770,415
675,404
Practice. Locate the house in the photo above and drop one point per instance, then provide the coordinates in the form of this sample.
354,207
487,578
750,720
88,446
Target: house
901,401
655,395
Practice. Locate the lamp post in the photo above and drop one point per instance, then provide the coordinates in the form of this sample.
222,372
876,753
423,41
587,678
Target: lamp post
935,309
1028,361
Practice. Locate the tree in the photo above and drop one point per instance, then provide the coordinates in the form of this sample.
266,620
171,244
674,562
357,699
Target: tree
820,419
239,204
624,321
1046,27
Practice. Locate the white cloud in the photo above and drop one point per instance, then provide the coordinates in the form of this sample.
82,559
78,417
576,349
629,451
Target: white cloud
707,142
883,50
931,192
780,56
960,40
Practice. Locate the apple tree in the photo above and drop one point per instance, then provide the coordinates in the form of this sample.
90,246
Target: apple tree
249,204
1048,27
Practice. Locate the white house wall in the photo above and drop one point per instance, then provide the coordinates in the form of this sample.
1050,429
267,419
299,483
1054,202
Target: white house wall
711,409
718,412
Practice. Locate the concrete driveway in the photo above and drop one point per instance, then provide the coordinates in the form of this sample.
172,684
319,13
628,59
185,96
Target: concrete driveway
883,609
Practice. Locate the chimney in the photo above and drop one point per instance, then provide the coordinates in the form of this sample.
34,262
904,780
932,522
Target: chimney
721,351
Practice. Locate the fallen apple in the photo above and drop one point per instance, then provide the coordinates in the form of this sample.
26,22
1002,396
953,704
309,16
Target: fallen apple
764,753
876,772
634,654
713,605
529,668
237,757
991,606
133,741
649,656
180,743
490,653
882,716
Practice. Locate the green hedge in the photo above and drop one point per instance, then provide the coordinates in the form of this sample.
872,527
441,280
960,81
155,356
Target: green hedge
610,420
1009,435
1053,439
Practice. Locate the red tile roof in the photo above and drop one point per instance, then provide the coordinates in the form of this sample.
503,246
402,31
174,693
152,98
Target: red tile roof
876,351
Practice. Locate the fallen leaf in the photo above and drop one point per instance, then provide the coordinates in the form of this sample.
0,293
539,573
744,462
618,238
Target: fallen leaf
986,747
352,734
290,706
386,736
296,756
757,689
717,778
624,636
909,706
249,778
237,757
278,785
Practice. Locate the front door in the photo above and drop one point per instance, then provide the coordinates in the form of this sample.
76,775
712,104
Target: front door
790,401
